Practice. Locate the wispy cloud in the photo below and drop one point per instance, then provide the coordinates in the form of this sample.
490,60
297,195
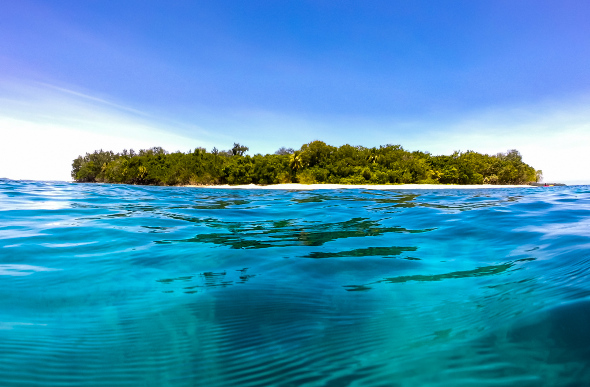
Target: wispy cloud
552,136
44,127
100,101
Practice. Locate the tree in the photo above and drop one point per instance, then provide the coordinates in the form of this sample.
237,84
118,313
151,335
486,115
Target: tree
239,150
295,162
316,153
284,151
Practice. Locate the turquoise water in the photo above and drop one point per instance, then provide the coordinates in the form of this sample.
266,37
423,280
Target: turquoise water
159,286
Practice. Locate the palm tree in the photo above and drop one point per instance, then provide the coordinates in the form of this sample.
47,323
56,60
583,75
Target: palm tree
295,161
373,157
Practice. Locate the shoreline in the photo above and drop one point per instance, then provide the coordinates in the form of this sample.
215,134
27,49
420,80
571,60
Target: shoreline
310,187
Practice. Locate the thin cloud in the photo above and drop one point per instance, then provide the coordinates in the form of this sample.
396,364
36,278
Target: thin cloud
94,99
45,128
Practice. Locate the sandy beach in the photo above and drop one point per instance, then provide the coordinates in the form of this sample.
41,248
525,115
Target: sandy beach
294,186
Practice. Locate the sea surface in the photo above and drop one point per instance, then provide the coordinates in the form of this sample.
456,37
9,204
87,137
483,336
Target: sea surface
118,285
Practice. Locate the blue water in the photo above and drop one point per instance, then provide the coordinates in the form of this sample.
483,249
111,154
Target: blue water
106,285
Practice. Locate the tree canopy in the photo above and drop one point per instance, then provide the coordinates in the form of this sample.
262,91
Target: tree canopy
315,162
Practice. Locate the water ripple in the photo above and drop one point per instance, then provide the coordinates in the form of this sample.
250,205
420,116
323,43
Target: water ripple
128,285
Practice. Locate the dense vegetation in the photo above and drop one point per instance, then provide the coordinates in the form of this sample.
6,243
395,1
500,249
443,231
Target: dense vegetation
315,162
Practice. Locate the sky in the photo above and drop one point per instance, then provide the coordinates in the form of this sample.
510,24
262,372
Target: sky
436,76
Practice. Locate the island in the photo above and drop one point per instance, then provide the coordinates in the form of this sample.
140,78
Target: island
314,163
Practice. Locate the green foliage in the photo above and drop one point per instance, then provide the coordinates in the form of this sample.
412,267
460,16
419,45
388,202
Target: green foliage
239,150
91,167
315,162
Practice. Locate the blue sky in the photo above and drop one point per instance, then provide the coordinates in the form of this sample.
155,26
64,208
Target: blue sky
434,76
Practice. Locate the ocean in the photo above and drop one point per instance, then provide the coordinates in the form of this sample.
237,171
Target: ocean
118,285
